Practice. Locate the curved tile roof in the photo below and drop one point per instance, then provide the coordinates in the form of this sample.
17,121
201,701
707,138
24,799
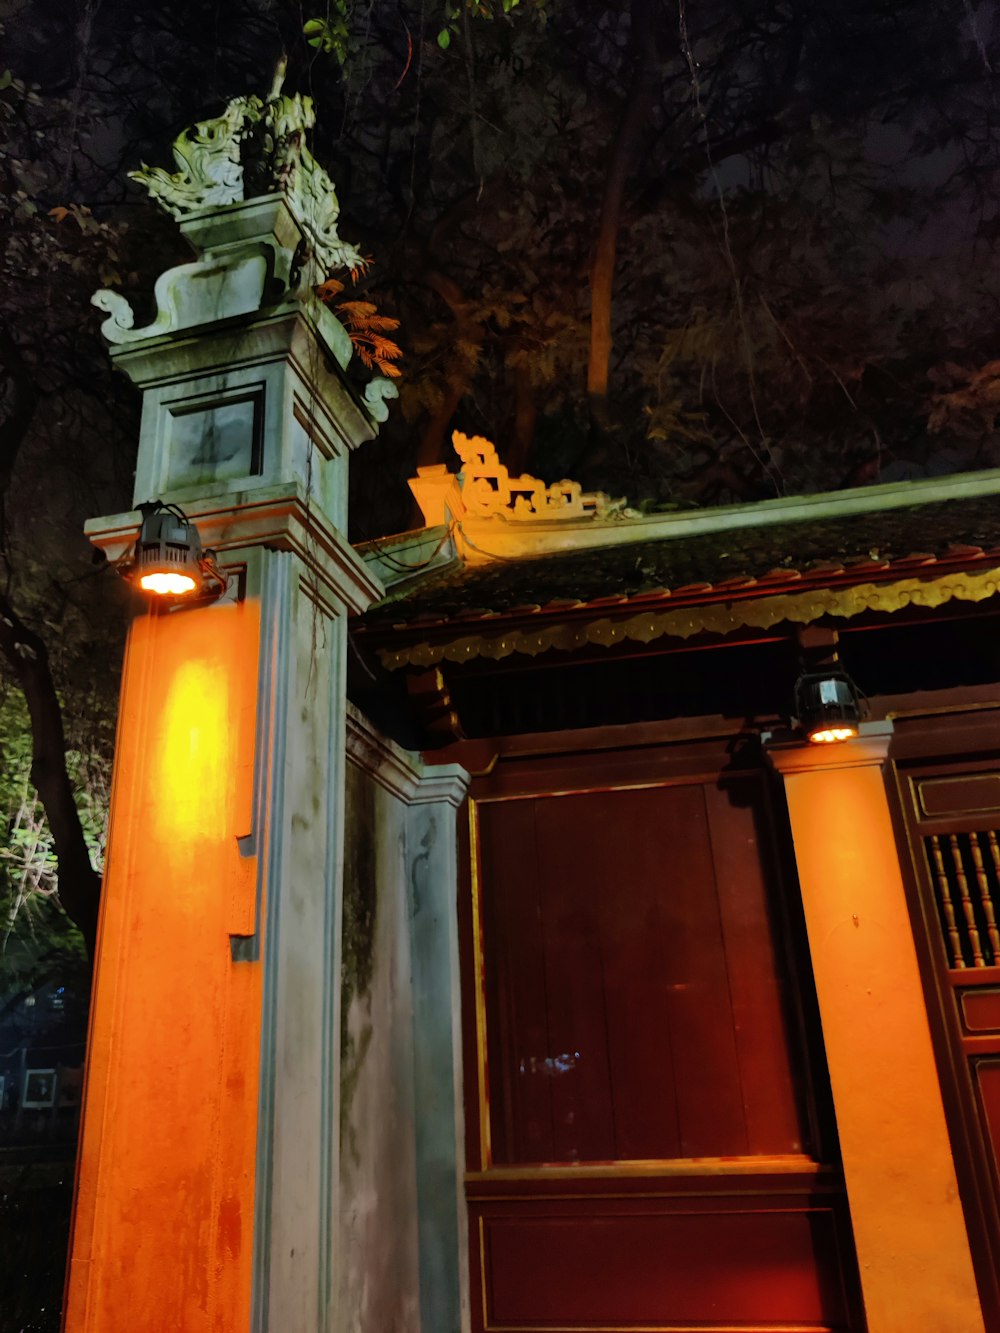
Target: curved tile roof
928,538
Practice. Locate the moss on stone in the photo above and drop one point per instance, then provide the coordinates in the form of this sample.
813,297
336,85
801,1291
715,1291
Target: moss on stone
360,924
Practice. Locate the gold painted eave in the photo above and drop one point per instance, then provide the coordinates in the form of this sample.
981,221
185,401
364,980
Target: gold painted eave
722,617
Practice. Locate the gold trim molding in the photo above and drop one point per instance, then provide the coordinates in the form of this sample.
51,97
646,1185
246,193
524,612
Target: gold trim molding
714,618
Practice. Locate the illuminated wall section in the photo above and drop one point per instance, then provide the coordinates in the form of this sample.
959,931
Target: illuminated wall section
912,1244
208,1183
164,1220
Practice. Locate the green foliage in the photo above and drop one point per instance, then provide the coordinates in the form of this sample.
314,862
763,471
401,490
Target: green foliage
35,933
342,30
331,35
804,243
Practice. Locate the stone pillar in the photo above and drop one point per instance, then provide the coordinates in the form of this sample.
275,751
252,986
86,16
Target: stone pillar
208,1176
912,1244
437,1035
404,1181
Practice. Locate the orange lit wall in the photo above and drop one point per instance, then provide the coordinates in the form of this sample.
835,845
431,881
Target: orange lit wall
912,1245
164,1213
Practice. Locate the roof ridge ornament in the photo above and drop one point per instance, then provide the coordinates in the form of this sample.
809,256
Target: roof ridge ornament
489,491
484,490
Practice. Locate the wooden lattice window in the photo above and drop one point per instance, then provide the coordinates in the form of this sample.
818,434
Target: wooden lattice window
965,872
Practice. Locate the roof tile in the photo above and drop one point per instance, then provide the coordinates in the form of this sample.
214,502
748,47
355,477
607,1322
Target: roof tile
856,545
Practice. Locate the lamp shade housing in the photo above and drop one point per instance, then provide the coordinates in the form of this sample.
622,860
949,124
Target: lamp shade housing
826,704
168,555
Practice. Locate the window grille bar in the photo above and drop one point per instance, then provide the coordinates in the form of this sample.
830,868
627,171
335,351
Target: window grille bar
985,896
968,910
954,939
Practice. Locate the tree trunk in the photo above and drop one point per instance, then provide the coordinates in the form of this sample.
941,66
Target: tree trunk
28,659
637,107
432,437
525,416
23,399
79,882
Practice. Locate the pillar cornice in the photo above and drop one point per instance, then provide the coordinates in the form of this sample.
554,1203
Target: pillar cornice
397,771
870,746
278,517
301,333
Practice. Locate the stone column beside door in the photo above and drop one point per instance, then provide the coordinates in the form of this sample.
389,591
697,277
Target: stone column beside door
208,1189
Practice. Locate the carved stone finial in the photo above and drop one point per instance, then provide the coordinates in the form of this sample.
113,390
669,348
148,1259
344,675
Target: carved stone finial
278,82
266,140
261,215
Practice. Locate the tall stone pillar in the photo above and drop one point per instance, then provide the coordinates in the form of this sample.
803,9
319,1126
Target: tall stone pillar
912,1244
208,1171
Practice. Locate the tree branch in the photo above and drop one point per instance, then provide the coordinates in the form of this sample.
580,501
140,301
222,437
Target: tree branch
602,274
24,397
79,883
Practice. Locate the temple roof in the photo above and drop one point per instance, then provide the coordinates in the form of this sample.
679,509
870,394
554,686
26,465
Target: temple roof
852,548
497,575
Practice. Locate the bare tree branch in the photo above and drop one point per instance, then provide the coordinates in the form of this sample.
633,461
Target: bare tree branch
79,883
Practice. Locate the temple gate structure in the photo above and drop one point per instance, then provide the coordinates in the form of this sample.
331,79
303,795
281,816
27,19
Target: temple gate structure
519,964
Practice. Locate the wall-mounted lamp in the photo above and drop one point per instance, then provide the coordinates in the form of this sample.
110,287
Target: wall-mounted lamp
168,561
827,706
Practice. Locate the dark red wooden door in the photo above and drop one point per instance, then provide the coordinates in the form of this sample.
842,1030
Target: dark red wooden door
643,1146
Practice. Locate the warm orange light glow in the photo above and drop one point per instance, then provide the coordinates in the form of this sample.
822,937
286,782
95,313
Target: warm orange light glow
828,735
167,585
194,749
913,1247
166,1174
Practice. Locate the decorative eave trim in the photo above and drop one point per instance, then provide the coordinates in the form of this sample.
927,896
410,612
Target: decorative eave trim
713,618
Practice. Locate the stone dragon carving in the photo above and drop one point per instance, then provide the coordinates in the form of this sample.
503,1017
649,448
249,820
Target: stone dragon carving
265,139
207,155
256,150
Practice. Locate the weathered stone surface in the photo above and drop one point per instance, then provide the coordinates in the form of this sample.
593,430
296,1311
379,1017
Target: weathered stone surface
261,215
401,1252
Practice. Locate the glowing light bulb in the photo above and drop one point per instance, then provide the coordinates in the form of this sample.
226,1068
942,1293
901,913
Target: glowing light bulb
167,584
830,735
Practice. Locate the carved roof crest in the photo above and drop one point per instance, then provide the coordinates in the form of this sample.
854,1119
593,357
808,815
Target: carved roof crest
489,490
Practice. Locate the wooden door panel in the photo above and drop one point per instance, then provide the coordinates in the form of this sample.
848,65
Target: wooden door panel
577,1061
981,1010
519,1015
636,1072
770,1098
660,1264
986,1073
632,989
